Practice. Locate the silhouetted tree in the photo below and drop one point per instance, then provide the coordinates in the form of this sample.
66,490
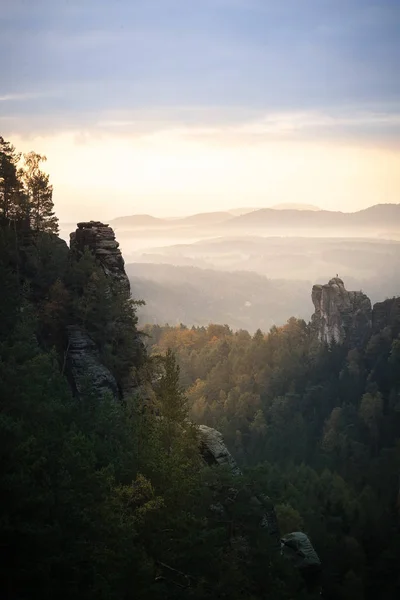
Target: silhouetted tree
39,193
11,192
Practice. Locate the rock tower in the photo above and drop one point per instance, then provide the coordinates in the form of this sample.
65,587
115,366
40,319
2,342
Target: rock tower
100,239
339,314
83,357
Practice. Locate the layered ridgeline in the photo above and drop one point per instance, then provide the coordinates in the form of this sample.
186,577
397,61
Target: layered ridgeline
109,489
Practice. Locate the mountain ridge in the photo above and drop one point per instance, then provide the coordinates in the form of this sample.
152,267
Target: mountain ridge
382,214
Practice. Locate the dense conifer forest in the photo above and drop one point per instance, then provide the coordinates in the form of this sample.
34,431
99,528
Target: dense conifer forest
317,426
106,498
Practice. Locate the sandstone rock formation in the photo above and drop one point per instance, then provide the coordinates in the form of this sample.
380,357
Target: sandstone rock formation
83,358
85,367
341,315
100,238
214,452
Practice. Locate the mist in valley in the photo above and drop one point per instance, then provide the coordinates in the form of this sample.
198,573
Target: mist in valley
255,268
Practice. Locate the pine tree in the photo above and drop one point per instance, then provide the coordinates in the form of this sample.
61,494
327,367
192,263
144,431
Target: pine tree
172,401
11,192
40,194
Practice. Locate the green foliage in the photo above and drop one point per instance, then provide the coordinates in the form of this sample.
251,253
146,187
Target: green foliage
111,500
10,289
289,518
26,196
12,199
318,428
107,312
171,402
78,517
39,194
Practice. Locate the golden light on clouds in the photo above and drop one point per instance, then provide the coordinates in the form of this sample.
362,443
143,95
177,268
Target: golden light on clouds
179,171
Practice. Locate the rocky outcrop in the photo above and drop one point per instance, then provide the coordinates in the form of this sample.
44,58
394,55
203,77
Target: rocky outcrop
339,314
100,239
84,365
84,361
214,452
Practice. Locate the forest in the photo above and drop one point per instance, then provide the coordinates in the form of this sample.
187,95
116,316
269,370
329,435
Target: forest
106,498
317,426
198,297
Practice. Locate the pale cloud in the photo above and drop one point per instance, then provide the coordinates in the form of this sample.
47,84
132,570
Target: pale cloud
303,121
172,171
235,122
20,96
170,106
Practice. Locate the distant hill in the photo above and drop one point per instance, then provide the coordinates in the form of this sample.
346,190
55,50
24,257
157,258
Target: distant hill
237,212
196,220
380,215
294,206
280,220
270,217
208,218
300,258
138,221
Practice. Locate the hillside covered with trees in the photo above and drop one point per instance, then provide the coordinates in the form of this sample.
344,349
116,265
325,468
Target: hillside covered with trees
102,498
107,495
316,425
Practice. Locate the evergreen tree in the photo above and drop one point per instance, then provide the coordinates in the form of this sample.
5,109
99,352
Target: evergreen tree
172,401
108,500
40,194
11,193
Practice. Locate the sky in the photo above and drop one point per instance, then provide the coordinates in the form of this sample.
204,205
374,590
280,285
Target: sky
173,107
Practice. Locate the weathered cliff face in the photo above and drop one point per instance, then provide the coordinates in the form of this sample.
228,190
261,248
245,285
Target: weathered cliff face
100,239
339,314
215,452
83,358
85,366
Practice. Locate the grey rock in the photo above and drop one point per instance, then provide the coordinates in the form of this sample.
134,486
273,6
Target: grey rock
84,365
339,314
214,451
297,547
100,239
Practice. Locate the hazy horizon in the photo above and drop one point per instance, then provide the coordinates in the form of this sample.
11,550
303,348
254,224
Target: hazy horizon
171,108
182,214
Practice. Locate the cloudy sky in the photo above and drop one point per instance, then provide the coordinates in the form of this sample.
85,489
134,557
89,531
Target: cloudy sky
177,106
